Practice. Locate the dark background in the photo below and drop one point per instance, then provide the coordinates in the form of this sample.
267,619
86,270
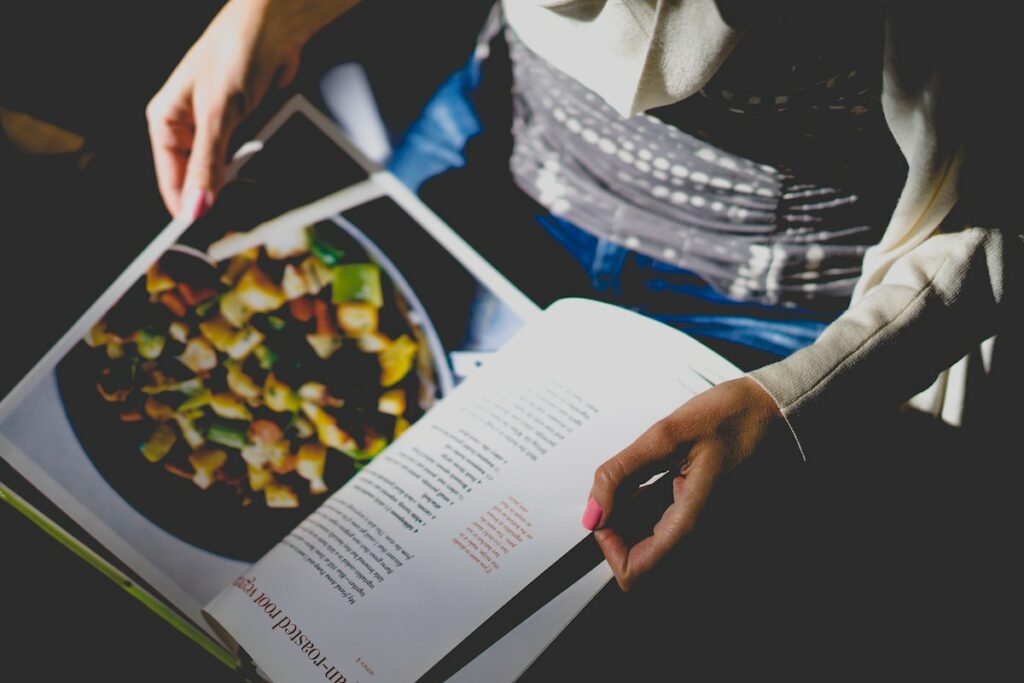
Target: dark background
873,566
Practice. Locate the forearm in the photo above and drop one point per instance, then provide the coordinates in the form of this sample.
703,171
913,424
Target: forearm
302,19
931,308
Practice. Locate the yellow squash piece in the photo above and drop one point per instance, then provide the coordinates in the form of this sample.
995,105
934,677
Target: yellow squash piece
392,402
327,430
396,360
242,384
309,464
186,423
280,496
160,444
259,477
278,396
258,291
206,462
229,406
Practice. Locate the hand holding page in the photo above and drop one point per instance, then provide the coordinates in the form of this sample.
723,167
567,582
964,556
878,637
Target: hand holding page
468,507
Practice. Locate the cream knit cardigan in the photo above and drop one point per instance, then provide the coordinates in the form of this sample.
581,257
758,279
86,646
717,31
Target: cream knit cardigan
931,290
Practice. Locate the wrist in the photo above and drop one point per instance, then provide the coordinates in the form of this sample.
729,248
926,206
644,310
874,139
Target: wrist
300,20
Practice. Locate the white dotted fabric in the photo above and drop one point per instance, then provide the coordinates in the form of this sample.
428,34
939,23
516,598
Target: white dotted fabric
783,217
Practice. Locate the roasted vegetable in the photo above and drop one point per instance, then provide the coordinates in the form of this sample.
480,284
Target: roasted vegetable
157,281
226,435
322,248
157,411
392,402
396,360
357,282
309,464
263,424
186,424
324,345
227,405
242,384
280,496
294,284
199,356
258,292
327,429
287,243
159,444
234,309
206,462
278,396
149,343
358,318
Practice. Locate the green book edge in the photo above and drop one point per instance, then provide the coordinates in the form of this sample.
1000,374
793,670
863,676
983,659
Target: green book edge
128,585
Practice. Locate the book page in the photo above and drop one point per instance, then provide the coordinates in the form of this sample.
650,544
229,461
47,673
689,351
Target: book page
468,507
144,423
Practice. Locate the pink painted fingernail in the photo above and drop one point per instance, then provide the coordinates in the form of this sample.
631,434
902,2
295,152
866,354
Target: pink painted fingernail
591,515
196,202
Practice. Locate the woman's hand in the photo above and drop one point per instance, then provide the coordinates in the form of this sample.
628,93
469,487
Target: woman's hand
698,443
250,46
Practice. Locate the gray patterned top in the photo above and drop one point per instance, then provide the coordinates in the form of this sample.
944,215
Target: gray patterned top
770,184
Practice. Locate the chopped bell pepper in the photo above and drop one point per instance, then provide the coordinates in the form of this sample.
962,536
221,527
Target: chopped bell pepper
226,435
357,282
265,356
149,343
322,248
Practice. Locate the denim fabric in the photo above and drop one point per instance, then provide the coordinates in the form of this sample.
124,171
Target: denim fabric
680,298
435,142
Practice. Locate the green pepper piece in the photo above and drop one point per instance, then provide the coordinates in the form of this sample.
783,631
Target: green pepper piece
204,308
149,343
357,282
195,400
323,249
227,435
265,356
275,323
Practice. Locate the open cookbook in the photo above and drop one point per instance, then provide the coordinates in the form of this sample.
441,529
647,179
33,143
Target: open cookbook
319,433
